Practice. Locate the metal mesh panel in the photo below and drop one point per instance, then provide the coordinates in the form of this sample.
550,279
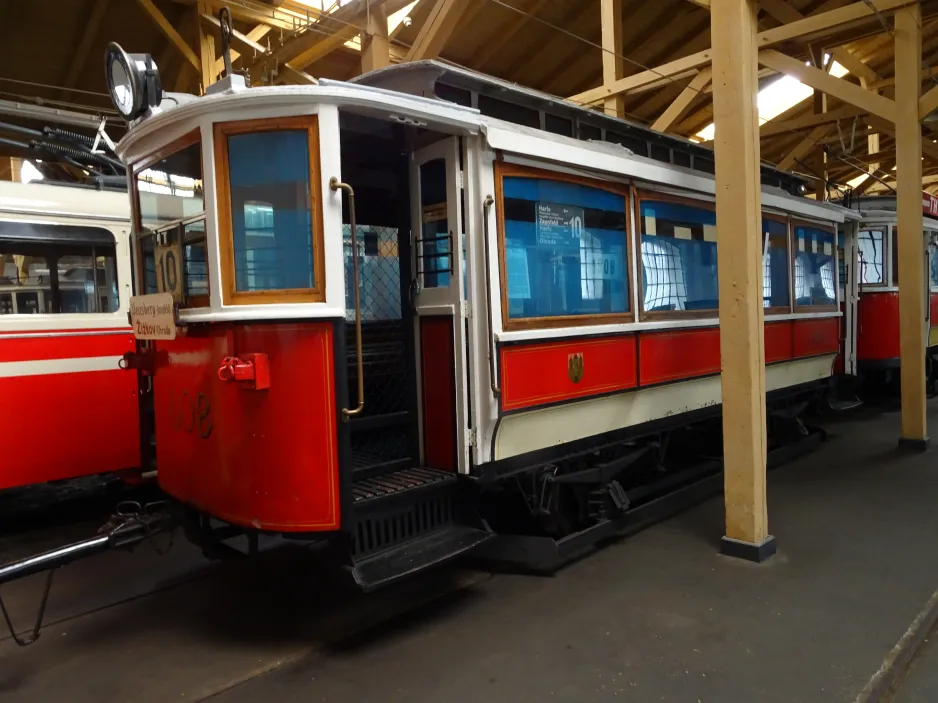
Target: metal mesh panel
381,433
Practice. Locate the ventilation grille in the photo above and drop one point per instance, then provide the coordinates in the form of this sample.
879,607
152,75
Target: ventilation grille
374,534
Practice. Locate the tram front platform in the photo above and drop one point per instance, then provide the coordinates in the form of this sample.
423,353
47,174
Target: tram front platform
658,616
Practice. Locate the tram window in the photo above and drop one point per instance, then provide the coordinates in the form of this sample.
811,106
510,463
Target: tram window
933,262
25,281
681,158
636,146
271,210
57,277
170,190
775,281
558,125
661,153
870,243
588,132
705,165
814,266
453,95
195,258
433,252
679,256
493,107
76,284
565,249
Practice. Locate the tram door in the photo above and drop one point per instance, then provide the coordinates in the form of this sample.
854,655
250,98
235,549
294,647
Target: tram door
437,295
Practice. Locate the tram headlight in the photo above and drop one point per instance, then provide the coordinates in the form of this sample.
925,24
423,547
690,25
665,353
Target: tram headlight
133,81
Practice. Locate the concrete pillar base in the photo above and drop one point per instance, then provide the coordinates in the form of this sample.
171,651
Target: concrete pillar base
913,445
747,550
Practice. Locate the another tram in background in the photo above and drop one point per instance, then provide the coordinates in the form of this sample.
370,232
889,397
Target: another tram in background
68,410
870,274
434,307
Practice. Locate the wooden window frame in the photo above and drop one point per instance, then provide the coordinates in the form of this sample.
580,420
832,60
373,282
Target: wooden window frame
642,195
783,309
808,309
139,274
230,294
504,169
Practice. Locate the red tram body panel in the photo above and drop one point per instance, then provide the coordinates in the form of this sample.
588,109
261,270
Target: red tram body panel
213,435
96,426
69,410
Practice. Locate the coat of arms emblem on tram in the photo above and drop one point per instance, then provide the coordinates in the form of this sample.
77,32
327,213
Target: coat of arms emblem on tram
575,367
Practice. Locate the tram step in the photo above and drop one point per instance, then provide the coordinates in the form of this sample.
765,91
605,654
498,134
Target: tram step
432,549
398,482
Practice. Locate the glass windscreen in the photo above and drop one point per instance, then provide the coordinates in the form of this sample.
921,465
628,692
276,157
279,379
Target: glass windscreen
170,198
271,210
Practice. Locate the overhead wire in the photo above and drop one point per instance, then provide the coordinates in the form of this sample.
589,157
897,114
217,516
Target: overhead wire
606,50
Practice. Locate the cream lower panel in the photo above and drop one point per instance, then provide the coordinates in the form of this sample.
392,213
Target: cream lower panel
539,429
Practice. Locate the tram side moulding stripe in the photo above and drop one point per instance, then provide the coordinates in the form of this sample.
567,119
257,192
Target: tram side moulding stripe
539,374
64,367
71,346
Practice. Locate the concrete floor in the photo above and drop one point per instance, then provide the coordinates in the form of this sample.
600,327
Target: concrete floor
660,616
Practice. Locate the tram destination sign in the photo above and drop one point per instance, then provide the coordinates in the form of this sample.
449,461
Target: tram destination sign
153,316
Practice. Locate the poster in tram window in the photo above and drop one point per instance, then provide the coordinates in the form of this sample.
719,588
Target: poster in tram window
559,226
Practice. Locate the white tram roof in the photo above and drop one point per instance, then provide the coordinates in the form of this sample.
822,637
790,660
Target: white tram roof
392,101
62,201
882,208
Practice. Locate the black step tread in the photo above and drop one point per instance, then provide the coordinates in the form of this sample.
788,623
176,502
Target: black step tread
431,549
397,482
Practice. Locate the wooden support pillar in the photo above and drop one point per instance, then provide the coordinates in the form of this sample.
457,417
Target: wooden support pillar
206,48
376,50
911,247
611,17
10,168
739,227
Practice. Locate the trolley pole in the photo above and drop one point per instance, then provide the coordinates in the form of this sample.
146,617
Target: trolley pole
739,227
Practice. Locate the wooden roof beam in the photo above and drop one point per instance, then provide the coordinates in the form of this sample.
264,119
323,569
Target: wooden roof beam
245,44
823,81
436,30
255,35
676,109
171,33
508,32
316,40
80,55
784,12
810,27
610,15
804,147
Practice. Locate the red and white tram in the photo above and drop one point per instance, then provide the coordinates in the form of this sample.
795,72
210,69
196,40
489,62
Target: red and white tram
403,301
872,288
65,284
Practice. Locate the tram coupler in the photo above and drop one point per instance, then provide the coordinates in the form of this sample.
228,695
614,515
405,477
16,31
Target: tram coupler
130,525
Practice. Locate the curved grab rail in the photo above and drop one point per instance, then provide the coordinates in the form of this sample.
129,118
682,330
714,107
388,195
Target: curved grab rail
486,205
335,184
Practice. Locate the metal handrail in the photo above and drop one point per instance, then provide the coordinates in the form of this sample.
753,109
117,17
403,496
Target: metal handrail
486,204
335,184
